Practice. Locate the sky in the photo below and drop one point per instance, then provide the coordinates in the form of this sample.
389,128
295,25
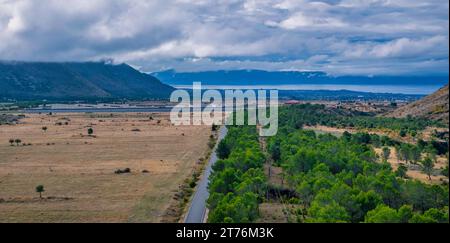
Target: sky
341,37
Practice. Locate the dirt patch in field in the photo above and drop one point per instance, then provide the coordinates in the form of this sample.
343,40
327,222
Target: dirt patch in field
274,175
272,213
278,212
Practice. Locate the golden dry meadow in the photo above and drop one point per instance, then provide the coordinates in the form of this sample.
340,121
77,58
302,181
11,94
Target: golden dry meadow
77,170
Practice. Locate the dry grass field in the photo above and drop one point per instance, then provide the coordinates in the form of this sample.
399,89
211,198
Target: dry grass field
77,170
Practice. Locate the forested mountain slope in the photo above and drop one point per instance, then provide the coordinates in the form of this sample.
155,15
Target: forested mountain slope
68,81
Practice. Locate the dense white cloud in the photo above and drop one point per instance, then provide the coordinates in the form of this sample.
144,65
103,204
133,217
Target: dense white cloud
338,36
432,47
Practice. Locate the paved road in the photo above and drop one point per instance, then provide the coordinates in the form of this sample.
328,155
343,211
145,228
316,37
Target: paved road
197,210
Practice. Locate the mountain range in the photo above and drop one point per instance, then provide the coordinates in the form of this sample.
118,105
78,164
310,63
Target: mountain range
77,81
94,81
259,77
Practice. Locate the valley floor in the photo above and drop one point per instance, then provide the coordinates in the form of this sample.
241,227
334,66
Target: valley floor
77,170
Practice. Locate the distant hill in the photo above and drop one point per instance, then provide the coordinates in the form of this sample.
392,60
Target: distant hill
434,106
259,77
73,81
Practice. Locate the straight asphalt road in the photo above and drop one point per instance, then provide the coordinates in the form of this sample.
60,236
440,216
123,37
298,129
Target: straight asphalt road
197,209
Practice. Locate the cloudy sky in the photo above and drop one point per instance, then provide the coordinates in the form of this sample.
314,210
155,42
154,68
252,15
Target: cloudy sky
367,37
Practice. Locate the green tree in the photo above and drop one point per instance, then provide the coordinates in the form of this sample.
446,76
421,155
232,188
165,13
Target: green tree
17,141
445,171
421,144
306,193
223,151
440,216
402,133
40,190
329,213
423,196
401,171
415,154
386,153
235,209
44,129
363,138
383,214
90,131
275,151
398,153
405,213
406,151
422,219
223,181
428,166
367,201
347,136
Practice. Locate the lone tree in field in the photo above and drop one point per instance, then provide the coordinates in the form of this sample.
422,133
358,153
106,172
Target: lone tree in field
427,166
11,141
386,153
44,129
40,190
17,141
90,131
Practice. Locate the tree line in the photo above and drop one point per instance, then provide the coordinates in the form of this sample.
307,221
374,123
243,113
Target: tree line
237,183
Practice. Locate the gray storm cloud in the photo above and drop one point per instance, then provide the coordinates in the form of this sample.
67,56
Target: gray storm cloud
348,36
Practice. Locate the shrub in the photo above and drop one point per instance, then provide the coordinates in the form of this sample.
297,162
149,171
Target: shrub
124,171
